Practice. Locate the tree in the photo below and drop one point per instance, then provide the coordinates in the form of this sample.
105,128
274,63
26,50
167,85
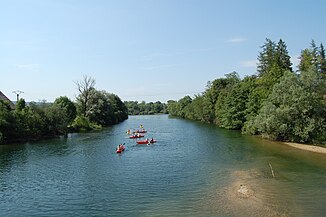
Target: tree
120,110
233,112
106,109
306,60
212,93
282,56
274,60
183,103
173,107
86,92
313,57
68,106
322,62
295,111
58,119
7,122
195,109
266,57
20,105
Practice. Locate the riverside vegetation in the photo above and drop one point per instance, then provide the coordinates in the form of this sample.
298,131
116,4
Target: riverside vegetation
277,102
143,108
92,110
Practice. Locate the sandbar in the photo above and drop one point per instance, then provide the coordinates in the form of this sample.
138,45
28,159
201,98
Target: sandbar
312,148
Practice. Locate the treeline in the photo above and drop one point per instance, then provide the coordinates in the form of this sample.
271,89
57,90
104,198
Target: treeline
143,108
277,102
92,110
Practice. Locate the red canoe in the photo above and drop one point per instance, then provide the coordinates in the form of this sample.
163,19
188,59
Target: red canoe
145,141
136,136
120,150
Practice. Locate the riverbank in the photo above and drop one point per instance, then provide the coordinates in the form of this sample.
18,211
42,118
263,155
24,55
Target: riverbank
312,148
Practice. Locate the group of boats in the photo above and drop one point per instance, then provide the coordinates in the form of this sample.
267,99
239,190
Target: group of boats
136,135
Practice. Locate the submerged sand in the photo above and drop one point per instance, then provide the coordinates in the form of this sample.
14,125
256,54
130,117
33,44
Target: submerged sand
246,195
311,148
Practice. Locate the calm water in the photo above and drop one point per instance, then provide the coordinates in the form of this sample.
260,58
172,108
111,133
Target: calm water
192,170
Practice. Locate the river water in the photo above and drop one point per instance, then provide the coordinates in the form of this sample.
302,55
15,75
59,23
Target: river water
194,169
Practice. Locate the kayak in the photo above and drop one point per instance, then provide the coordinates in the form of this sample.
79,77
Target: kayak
145,142
136,136
120,150
141,131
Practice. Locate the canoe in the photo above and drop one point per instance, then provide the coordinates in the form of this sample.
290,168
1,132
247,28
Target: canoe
136,136
140,131
145,142
120,150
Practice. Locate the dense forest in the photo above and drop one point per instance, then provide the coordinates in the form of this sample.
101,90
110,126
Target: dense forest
92,110
143,108
277,102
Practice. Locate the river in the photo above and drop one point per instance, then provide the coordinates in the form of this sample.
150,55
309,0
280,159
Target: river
194,169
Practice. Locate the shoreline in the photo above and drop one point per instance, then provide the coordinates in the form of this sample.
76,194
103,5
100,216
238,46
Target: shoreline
311,148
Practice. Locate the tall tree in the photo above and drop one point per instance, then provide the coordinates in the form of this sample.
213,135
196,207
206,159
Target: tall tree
282,56
313,58
315,54
266,57
306,60
183,103
274,60
322,61
295,110
68,106
86,92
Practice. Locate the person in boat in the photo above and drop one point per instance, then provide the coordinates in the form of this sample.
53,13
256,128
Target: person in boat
152,140
146,140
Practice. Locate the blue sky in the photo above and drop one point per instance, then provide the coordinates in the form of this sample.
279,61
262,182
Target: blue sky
151,50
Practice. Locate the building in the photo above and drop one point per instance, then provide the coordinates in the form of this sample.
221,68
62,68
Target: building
4,98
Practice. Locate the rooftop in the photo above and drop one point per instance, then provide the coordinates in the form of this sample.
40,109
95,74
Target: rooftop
4,98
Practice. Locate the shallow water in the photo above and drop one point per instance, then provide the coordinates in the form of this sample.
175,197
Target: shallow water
193,170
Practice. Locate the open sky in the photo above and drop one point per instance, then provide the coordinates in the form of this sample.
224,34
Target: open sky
151,50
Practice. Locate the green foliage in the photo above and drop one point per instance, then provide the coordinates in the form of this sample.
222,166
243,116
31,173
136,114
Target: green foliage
20,105
273,56
276,103
295,111
183,106
68,106
313,58
322,61
86,93
143,108
173,108
99,107
105,109
40,120
194,111
212,94
6,122
273,61
82,124
232,112
306,60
